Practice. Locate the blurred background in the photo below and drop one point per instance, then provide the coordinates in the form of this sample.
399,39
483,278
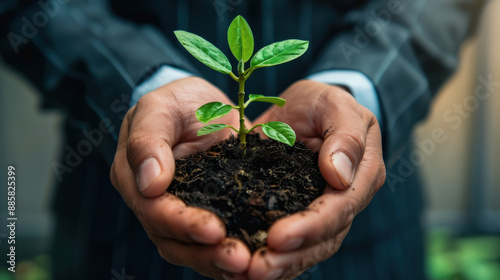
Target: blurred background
462,173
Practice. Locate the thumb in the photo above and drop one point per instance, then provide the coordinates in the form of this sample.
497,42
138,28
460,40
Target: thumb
149,149
339,156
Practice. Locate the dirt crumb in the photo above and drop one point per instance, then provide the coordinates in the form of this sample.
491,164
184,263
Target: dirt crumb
229,246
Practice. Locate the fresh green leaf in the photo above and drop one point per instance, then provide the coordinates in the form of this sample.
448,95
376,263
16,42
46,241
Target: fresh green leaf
279,52
212,111
240,39
269,99
280,132
211,128
204,51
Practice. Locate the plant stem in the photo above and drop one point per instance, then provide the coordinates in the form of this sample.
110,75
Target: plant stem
253,127
241,109
233,76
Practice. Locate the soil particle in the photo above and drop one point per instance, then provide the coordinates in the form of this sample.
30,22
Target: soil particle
249,192
326,131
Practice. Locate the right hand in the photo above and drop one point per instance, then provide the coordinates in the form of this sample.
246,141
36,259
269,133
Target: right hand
162,127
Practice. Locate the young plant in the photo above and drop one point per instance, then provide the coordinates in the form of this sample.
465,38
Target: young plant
241,43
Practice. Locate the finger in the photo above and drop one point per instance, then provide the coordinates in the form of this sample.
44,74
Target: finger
149,146
334,211
120,165
230,257
325,217
268,264
344,143
166,215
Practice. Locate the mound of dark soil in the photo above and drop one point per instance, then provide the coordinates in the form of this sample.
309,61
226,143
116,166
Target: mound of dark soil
249,191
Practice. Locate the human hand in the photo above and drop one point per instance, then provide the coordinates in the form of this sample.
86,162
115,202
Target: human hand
347,135
161,127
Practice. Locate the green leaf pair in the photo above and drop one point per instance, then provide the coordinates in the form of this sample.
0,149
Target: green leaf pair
215,110
241,43
278,131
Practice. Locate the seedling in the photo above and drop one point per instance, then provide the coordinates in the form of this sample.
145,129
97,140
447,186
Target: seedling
241,43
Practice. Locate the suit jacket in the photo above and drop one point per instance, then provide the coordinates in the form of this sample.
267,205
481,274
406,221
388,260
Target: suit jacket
86,57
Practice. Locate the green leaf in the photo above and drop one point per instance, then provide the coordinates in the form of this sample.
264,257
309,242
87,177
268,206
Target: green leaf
211,128
204,51
269,99
280,132
240,39
212,111
279,52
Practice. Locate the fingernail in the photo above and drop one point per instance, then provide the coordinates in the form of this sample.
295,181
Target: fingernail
292,244
148,171
274,274
343,166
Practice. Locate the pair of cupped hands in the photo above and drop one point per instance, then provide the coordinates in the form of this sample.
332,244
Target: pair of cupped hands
162,127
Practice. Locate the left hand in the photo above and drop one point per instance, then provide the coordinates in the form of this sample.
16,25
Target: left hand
347,135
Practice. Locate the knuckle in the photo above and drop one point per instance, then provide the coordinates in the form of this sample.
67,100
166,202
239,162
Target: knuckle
354,139
327,100
381,176
355,147
366,112
138,140
147,100
128,118
136,144
345,98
